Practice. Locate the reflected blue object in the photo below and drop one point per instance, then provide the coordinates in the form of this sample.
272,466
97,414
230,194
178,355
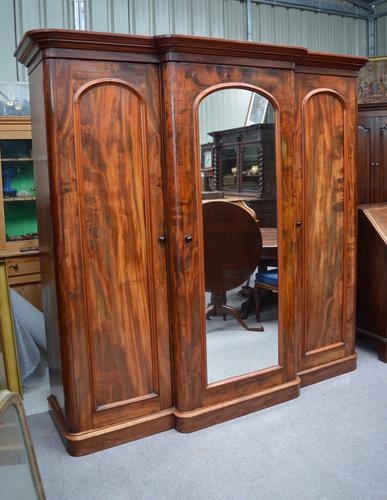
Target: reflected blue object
8,190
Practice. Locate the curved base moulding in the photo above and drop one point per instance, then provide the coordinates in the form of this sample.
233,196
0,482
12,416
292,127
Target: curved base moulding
381,343
328,370
190,421
83,443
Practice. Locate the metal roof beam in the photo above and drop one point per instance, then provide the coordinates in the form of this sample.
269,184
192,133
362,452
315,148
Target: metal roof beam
317,6
362,4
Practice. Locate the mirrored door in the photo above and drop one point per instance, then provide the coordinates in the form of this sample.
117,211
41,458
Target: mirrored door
240,248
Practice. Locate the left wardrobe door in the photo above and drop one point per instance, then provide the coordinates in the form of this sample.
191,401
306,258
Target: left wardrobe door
107,210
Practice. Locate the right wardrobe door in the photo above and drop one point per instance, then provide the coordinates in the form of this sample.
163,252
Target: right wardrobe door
326,240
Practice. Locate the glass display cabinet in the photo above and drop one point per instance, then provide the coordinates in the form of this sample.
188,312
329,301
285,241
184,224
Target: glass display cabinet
18,224
18,195
244,161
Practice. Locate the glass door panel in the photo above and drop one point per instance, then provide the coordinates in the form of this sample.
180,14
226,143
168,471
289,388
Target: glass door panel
229,169
18,190
251,166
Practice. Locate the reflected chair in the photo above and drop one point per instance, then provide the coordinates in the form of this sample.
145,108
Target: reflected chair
264,280
232,250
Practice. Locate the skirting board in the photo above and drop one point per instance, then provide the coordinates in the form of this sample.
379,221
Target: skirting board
328,370
83,443
194,420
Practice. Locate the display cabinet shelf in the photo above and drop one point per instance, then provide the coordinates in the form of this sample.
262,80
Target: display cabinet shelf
24,198
16,159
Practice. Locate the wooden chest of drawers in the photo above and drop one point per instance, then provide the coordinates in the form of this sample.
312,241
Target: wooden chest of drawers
24,277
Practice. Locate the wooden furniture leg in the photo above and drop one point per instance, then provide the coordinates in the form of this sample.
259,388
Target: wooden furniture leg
218,307
257,304
382,351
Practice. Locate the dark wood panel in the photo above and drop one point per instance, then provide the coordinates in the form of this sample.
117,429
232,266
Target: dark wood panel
115,228
372,174
379,178
324,219
372,275
365,158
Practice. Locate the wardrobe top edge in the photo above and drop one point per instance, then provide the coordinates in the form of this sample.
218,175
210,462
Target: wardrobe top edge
37,40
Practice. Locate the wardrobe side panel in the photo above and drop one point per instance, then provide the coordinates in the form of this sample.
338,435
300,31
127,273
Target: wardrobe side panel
41,127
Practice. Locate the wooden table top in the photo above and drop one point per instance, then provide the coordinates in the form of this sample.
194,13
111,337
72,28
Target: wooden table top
377,215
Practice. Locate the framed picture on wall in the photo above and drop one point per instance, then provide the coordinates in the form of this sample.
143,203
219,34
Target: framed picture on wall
372,81
256,112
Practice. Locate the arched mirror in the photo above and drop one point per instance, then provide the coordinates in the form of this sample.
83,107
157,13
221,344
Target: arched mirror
240,250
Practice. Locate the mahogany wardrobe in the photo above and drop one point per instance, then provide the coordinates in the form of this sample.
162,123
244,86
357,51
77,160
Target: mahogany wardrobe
116,148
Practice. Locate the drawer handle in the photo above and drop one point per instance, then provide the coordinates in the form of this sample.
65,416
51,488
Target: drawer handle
14,266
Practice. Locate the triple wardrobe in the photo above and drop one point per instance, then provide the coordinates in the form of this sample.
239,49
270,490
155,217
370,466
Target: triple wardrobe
118,123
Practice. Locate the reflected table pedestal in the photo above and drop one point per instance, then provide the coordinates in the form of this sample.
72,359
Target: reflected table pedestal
218,307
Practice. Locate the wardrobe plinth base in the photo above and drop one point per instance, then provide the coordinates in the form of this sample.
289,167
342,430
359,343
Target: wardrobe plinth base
83,443
328,370
378,340
190,421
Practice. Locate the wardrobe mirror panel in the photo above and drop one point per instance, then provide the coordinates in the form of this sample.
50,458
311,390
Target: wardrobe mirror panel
239,205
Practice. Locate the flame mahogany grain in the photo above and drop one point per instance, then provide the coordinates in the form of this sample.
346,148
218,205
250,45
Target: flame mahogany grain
115,135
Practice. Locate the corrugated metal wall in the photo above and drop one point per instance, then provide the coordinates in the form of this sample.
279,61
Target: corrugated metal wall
223,110
216,18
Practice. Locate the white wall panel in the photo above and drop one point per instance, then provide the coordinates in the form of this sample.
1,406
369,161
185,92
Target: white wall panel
223,110
315,31
8,68
34,14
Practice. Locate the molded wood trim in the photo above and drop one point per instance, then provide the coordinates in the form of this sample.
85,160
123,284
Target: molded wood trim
37,40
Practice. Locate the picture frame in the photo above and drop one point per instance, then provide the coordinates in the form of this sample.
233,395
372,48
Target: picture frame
257,110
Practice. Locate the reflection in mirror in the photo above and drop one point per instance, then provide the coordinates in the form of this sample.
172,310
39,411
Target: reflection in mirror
239,193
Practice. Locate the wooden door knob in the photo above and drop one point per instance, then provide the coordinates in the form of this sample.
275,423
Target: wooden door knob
162,238
188,238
